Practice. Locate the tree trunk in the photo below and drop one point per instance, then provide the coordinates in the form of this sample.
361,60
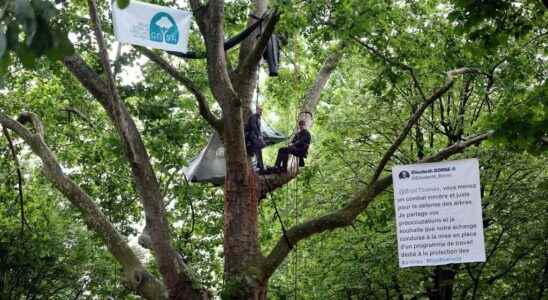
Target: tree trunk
241,249
443,282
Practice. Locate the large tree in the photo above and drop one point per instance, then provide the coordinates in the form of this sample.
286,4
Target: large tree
359,30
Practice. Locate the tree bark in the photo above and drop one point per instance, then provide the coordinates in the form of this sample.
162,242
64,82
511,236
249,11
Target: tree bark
176,277
443,282
234,93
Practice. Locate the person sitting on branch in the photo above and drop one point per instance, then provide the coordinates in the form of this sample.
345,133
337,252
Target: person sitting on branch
254,138
298,147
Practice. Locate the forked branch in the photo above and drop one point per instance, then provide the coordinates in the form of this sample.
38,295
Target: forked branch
176,276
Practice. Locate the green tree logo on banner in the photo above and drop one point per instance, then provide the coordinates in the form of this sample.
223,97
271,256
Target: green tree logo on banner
164,29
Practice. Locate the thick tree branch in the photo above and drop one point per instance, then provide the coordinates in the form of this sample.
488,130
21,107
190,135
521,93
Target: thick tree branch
144,175
252,59
210,19
244,78
346,216
258,11
416,116
313,95
28,117
136,275
176,277
269,183
205,112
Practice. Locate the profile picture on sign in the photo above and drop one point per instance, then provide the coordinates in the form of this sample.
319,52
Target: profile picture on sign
404,174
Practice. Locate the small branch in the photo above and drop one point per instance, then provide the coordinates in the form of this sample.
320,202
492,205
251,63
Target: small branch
73,110
346,216
416,116
19,179
512,264
96,24
392,61
203,106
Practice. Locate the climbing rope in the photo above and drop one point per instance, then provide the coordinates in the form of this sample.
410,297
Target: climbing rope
296,264
276,211
284,232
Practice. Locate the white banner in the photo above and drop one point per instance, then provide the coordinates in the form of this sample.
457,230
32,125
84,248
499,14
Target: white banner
438,213
152,26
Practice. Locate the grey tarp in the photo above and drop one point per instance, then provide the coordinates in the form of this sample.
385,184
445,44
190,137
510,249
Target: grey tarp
209,165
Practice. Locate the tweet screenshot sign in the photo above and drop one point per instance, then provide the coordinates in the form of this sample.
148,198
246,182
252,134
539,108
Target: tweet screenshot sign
438,213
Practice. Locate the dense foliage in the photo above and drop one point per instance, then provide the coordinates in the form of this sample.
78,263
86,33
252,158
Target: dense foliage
395,53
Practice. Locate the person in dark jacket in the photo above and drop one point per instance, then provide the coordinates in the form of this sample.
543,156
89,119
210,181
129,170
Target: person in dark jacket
254,138
298,147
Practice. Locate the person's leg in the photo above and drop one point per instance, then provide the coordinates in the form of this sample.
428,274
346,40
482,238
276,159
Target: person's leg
282,152
277,158
284,162
285,158
259,156
289,150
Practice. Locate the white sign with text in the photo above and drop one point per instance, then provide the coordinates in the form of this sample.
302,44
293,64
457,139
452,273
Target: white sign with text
438,213
152,26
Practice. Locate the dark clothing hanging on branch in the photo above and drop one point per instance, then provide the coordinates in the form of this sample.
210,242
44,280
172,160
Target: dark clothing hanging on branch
272,55
298,147
254,141
228,44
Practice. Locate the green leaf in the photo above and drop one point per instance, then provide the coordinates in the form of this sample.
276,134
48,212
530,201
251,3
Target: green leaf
24,14
122,3
27,56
